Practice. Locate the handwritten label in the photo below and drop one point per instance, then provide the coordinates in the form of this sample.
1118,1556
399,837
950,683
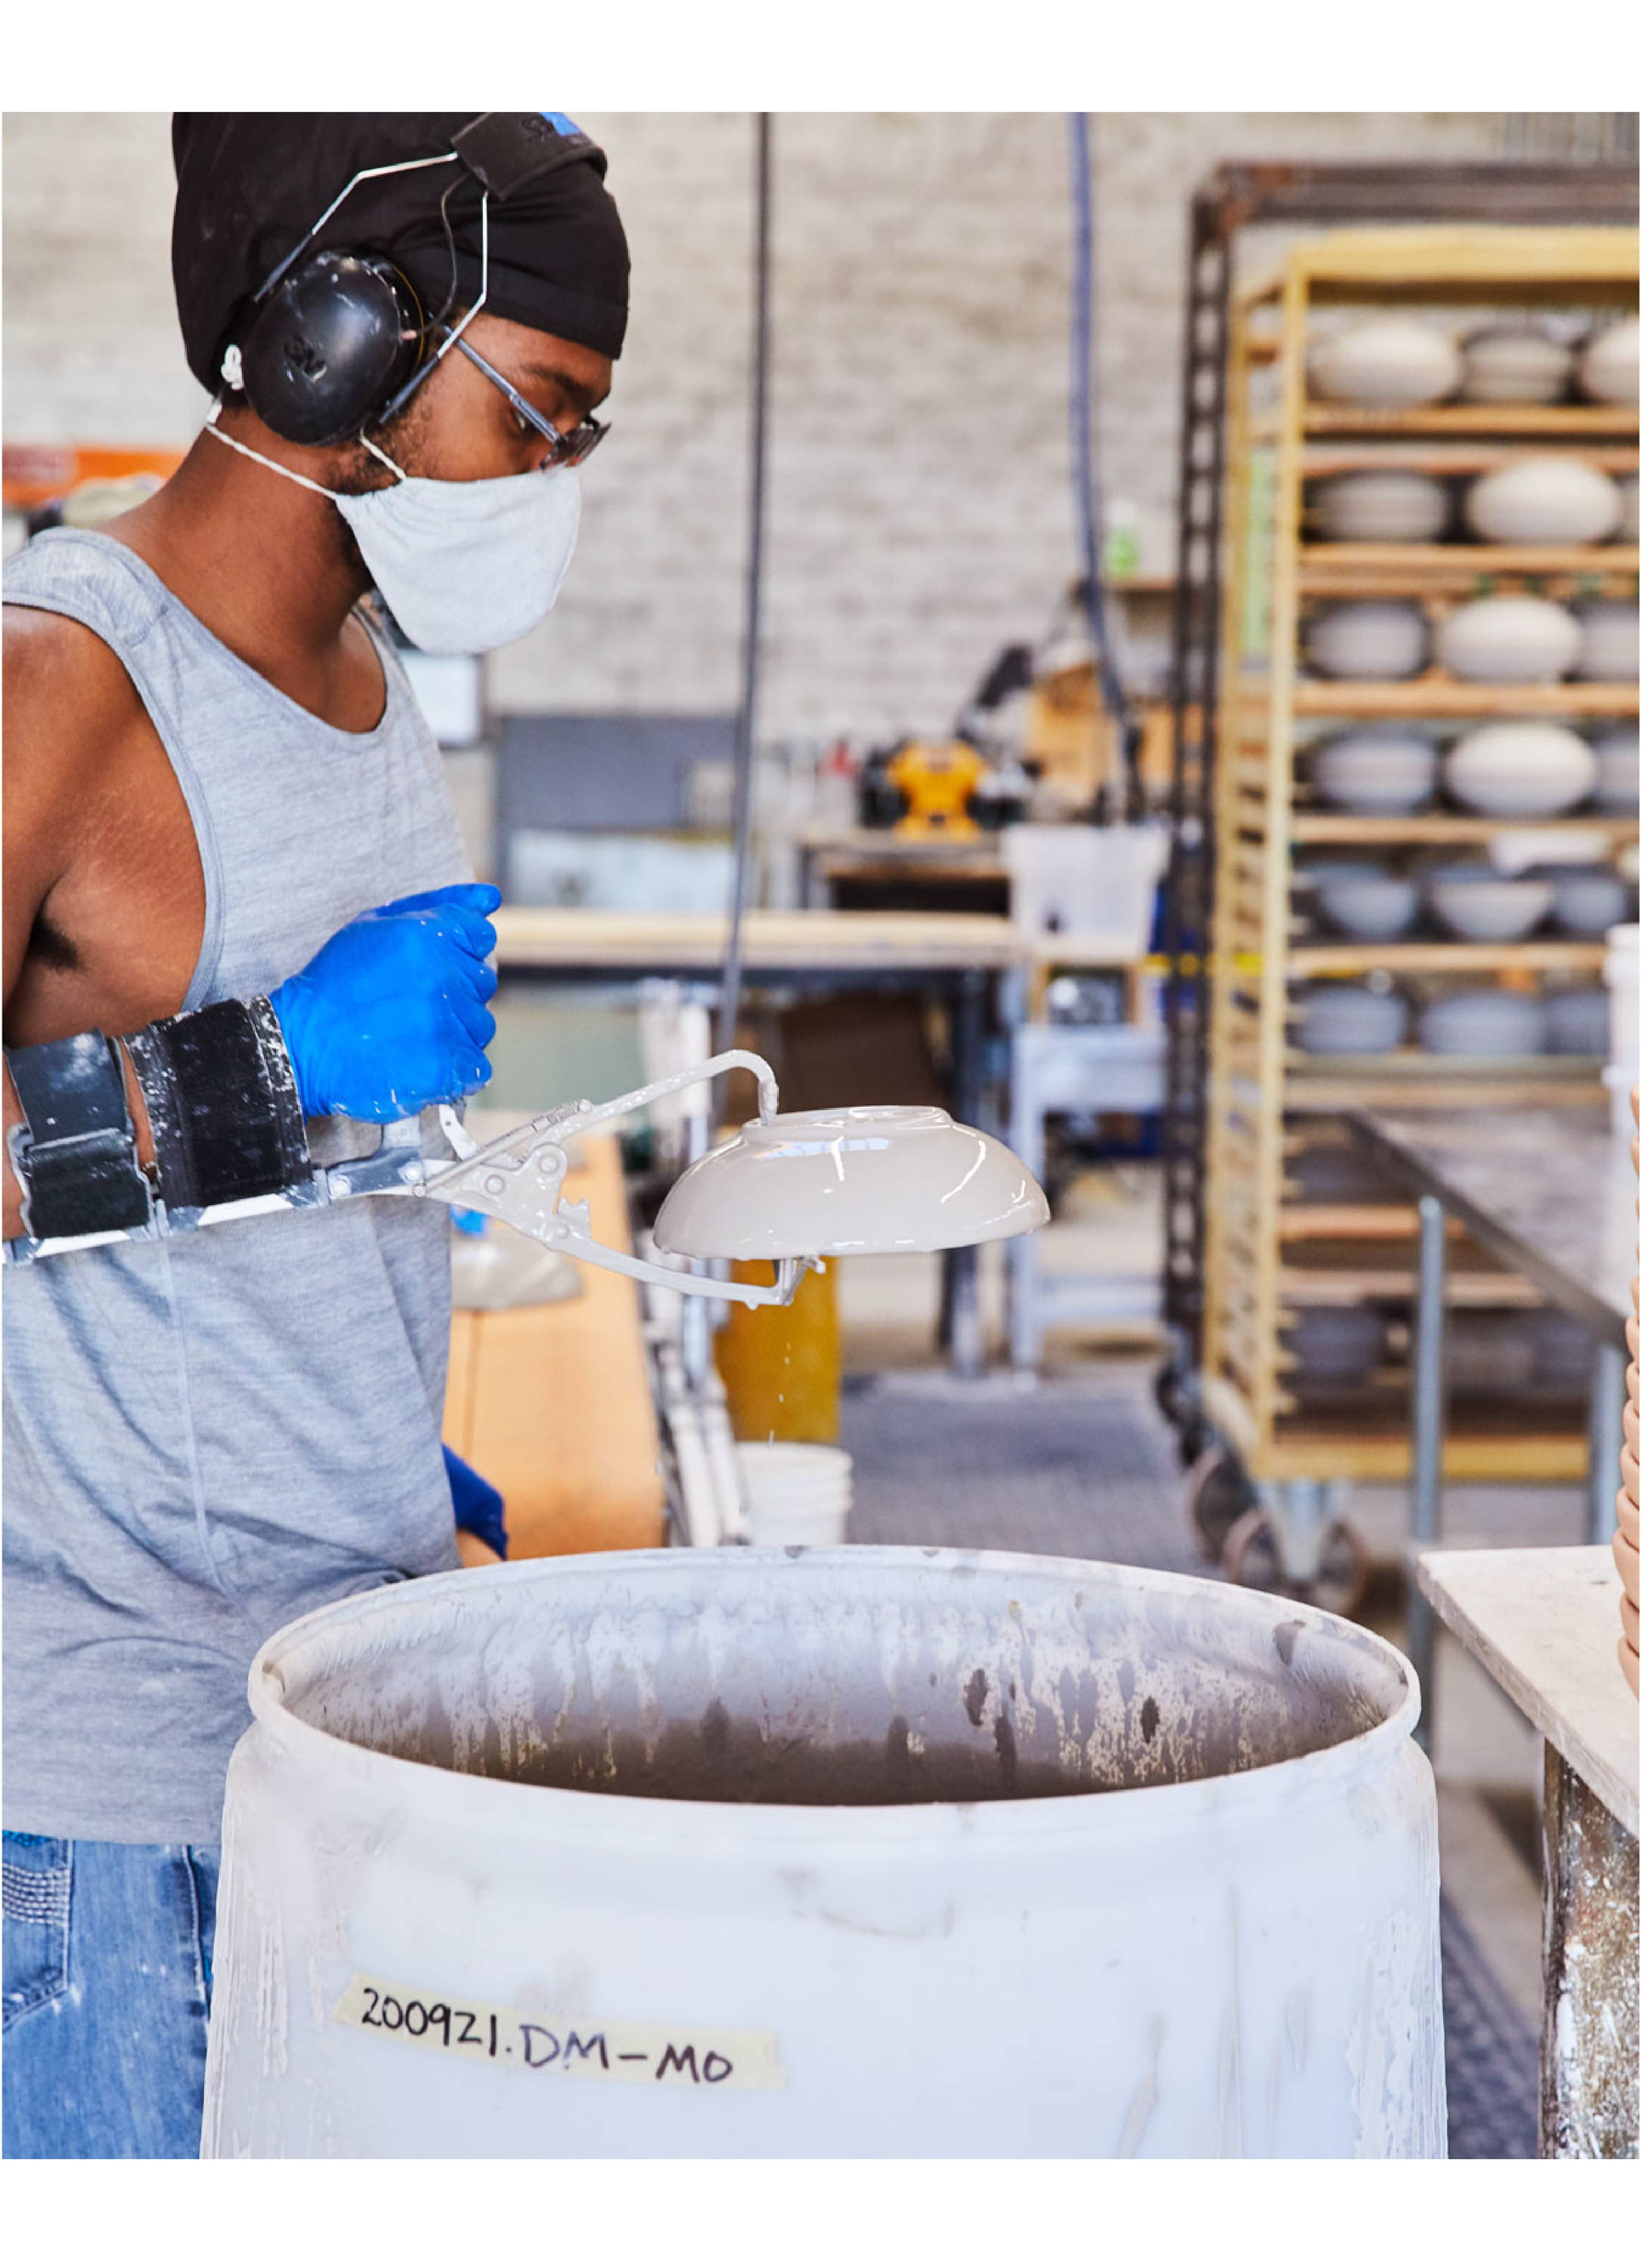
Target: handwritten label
642,2054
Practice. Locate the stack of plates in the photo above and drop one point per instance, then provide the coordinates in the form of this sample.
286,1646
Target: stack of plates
794,1492
1588,901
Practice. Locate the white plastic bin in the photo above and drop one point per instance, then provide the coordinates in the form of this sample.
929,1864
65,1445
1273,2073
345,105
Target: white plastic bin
854,1853
1095,883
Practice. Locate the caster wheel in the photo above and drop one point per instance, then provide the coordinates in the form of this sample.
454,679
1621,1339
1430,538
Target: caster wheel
1218,1495
1192,1438
1253,1557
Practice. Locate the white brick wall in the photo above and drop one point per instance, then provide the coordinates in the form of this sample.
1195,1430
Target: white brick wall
919,511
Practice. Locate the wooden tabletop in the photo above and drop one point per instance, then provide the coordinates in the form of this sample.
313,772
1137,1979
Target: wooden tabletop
1545,1624
552,938
553,1405
1549,1191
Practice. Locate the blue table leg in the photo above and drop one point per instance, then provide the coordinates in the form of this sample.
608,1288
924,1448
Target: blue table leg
1430,1420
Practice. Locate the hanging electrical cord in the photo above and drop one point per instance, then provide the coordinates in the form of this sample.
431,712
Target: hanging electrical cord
1085,477
730,994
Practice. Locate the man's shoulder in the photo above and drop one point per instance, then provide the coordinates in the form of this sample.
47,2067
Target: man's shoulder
68,695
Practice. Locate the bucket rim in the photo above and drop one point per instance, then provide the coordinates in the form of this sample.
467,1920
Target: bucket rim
1316,1771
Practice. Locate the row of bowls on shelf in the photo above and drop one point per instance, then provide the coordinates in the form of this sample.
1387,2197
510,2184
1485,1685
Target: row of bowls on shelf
1535,1352
1396,362
1366,900
1522,768
1492,1021
1533,500
1506,640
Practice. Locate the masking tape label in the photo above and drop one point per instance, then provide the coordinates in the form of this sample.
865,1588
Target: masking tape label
681,2055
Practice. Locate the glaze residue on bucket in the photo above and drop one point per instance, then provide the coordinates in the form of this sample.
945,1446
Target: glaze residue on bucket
857,1677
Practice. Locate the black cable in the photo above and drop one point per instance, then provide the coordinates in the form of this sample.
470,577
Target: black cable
1085,481
730,996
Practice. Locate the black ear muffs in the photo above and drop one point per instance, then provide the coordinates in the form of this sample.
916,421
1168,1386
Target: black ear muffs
336,340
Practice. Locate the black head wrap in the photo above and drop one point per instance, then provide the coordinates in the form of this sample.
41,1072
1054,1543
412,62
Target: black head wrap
251,183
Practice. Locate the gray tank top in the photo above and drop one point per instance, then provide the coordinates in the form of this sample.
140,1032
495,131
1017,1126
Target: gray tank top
208,1435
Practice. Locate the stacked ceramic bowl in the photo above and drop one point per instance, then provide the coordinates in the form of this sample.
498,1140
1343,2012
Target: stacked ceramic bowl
1492,1023
1514,361
1544,499
1509,641
1608,649
794,1492
1358,899
1587,901
1520,769
1349,1020
1389,507
1614,755
1386,771
1389,362
1484,907
1369,639
1607,368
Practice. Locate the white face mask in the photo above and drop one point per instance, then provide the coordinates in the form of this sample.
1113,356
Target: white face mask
464,565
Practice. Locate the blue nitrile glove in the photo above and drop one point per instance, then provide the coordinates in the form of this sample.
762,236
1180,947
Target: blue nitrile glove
390,1013
477,1506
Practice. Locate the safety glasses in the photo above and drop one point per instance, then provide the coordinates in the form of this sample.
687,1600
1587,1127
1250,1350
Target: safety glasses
572,448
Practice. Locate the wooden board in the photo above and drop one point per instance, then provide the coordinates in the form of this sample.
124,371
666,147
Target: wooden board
578,938
1544,1624
1438,695
553,1404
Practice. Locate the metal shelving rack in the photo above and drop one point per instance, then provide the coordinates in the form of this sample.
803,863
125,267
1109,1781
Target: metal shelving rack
1268,1255
1239,196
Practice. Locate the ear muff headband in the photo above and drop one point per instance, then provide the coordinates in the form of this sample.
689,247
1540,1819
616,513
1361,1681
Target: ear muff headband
340,339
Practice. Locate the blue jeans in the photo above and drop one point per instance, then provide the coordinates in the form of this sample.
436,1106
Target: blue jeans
107,1991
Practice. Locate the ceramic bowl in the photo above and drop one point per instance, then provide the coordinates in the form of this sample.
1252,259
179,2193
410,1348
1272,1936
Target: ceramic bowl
1588,901
1380,508
1368,639
893,1178
1576,1022
1607,653
1513,362
1385,773
1349,1020
1607,368
1508,641
1493,1023
1543,500
1485,907
1339,1344
1626,531
1390,362
1563,1352
1615,754
1485,1353
1519,771
1364,901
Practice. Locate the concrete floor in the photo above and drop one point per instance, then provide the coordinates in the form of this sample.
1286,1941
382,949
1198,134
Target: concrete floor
1487,1756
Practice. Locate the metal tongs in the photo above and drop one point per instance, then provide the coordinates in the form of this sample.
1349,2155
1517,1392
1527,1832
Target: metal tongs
519,1178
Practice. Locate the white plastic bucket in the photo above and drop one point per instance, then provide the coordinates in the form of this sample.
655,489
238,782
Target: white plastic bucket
855,1854
1088,882
1624,1014
795,1491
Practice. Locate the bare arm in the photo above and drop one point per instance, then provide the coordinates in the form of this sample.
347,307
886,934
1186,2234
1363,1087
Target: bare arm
71,713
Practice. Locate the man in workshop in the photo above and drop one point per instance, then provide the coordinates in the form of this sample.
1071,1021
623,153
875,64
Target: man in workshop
229,848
